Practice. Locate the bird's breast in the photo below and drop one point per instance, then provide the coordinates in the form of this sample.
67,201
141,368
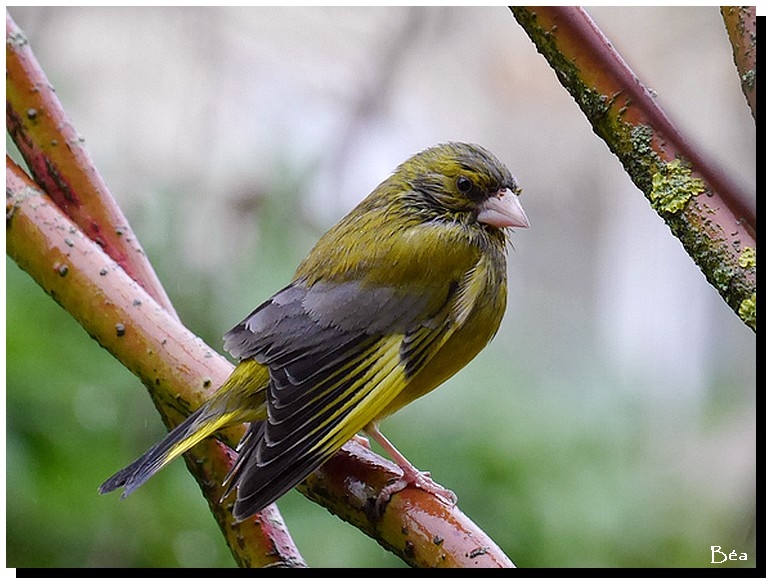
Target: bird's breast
475,313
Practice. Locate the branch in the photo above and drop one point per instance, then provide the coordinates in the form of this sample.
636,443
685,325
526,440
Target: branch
415,525
740,22
710,217
179,370
60,164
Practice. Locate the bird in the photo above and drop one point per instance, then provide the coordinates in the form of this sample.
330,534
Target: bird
393,300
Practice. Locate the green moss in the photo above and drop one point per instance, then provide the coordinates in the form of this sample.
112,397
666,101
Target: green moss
747,311
747,258
718,273
640,138
671,191
641,158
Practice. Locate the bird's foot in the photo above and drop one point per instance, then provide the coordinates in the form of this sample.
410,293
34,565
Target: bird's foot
412,477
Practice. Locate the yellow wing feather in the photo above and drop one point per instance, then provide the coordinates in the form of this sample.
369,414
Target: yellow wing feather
371,394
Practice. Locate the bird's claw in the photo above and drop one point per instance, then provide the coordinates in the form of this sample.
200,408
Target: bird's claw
419,479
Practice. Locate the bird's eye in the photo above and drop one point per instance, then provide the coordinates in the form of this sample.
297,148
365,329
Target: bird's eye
464,184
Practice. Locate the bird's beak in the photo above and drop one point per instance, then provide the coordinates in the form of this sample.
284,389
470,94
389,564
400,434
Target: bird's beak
503,209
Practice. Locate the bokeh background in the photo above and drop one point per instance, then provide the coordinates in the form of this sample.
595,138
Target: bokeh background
612,420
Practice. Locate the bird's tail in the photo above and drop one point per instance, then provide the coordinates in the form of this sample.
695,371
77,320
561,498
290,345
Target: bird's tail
240,399
199,425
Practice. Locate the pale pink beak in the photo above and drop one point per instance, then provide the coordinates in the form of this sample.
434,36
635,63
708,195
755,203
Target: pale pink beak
503,210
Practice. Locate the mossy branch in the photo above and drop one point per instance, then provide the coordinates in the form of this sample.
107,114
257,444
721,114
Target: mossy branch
711,218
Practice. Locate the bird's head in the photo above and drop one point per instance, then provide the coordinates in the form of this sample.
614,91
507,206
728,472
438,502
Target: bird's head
463,182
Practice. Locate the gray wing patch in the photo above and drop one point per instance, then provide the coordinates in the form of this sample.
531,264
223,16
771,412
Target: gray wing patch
297,319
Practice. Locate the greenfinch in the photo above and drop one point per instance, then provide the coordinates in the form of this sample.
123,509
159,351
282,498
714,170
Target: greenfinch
393,300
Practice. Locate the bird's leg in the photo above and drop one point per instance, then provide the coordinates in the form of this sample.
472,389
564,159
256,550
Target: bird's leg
410,474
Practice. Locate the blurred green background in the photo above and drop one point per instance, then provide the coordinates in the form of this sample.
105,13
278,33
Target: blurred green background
612,420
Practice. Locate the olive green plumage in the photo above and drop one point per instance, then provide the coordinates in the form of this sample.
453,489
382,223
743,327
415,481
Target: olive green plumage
394,299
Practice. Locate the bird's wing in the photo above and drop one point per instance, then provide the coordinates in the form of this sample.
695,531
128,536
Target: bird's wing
337,354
